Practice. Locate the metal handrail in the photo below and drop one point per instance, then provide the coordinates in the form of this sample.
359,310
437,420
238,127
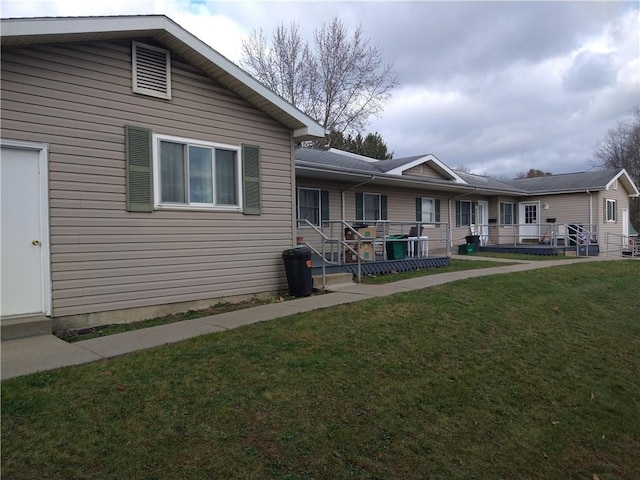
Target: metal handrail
546,233
354,246
324,239
621,243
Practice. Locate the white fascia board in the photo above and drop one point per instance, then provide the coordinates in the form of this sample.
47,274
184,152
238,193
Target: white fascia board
626,181
309,133
434,162
138,24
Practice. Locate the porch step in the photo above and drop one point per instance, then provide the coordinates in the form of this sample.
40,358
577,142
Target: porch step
25,326
333,280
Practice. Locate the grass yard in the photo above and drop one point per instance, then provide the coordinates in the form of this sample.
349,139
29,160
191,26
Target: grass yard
532,375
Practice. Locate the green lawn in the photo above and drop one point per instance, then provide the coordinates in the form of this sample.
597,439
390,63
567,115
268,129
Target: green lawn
532,375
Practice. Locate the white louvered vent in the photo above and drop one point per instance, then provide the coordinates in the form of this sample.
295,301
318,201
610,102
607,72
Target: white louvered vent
151,71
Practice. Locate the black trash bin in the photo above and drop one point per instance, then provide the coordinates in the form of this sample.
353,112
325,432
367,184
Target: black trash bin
475,239
297,265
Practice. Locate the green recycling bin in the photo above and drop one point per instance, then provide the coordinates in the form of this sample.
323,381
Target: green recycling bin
396,247
466,249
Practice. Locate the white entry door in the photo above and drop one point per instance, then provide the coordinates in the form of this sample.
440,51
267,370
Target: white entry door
483,222
625,227
23,260
529,221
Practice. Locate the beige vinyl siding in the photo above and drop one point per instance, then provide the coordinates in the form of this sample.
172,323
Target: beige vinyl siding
401,207
621,196
498,234
570,208
423,170
77,99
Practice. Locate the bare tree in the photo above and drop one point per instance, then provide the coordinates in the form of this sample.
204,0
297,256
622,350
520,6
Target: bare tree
620,148
341,81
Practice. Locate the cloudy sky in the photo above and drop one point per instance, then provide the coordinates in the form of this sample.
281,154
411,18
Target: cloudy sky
499,87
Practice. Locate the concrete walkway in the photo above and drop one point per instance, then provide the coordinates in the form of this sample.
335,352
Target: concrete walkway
47,352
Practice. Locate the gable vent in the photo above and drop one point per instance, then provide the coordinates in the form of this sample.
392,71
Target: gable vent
151,71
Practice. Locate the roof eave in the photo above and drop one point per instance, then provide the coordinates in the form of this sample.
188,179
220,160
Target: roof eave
323,172
436,164
625,179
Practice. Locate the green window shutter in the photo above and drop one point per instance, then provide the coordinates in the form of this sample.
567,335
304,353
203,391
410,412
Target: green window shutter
324,204
251,179
437,211
383,207
473,212
138,169
501,213
418,209
359,206
604,210
458,213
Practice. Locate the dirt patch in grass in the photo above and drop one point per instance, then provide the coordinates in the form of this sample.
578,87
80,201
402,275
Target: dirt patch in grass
76,335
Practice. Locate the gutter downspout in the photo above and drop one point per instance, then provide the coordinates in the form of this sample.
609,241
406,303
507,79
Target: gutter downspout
343,194
590,216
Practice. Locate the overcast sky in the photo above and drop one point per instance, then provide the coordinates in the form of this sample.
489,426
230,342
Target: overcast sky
499,87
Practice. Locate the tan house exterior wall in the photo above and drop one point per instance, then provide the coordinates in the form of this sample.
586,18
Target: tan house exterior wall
618,193
422,170
77,98
401,207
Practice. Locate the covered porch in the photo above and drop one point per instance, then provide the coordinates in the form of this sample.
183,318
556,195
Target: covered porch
376,247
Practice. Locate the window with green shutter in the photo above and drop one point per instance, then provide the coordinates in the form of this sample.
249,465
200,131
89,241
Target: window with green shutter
313,205
196,174
465,213
371,207
610,211
428,210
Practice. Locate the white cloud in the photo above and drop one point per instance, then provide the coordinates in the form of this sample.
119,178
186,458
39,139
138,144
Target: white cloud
481,84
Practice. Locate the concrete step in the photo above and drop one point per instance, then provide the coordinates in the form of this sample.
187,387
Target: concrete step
24,326
333,280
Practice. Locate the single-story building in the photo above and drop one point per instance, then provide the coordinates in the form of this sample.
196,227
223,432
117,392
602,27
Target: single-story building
142,172
336,188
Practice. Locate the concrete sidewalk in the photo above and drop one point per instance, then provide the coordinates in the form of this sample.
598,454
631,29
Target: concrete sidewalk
47,352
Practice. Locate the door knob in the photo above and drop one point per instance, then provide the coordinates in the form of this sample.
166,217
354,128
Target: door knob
35,242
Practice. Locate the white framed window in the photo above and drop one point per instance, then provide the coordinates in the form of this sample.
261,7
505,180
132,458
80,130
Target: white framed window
428,210
507,213
151,70
610,213
196,175
309,205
